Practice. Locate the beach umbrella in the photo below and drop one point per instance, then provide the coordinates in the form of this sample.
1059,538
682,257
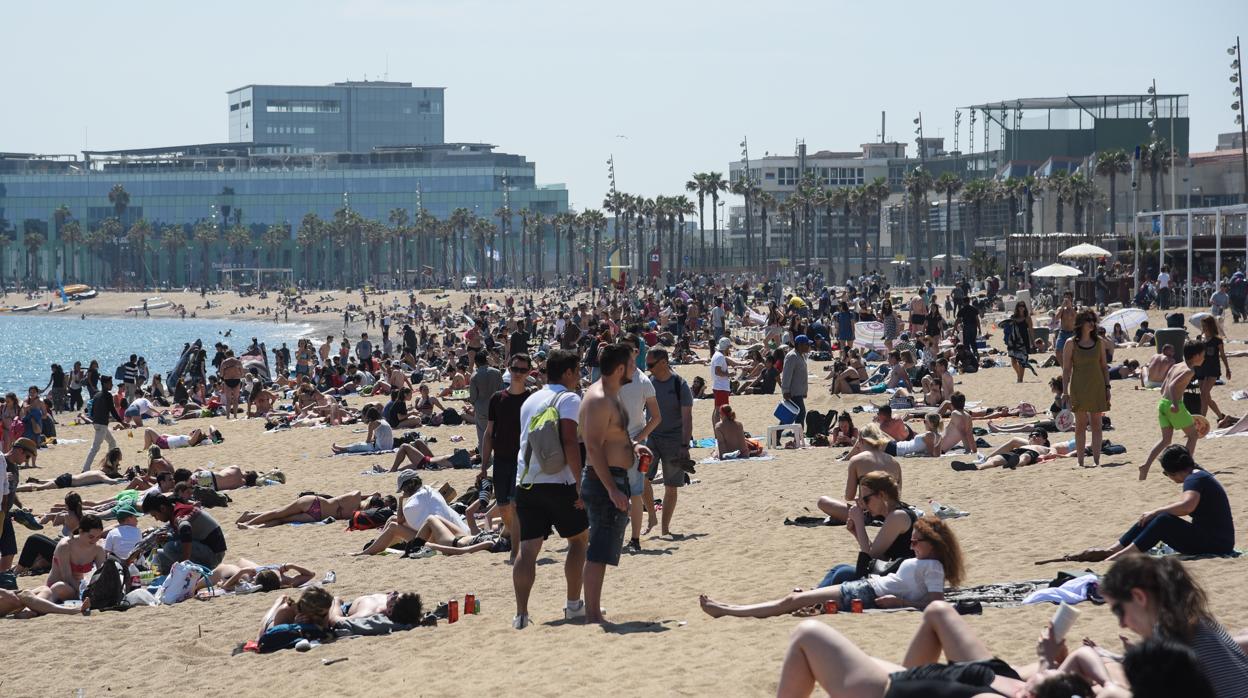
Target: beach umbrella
869,335
1129,318
1084,251
1197,318
900,263
1056,271
955,258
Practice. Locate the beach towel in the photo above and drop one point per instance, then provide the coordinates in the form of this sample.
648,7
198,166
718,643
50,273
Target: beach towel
716,459
1079,589
705,443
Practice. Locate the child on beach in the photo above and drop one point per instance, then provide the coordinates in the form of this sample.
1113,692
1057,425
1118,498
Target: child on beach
1171,412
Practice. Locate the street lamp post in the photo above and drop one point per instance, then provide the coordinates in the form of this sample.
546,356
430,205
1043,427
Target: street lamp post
1237,77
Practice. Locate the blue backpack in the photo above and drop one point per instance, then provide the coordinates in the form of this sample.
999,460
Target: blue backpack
286,635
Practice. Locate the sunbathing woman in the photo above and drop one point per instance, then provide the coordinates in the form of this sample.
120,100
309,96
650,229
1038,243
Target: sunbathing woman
870,457
817,653
268,577
1050,425
309,508
107,475
878,501
730,436
168,441
926,444
73,561
1020,453
313,608
380,436
916,583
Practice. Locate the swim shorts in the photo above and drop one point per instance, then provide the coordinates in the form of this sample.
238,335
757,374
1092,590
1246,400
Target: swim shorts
1173,420
721,397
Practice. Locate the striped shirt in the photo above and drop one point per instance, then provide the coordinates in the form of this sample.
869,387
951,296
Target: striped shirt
1222,659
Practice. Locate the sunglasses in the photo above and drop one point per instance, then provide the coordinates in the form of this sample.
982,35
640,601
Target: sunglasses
867,497
521,369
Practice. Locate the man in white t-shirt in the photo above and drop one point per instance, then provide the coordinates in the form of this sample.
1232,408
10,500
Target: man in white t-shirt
551,501
20,453
1163,288
418,503
638,398
721,378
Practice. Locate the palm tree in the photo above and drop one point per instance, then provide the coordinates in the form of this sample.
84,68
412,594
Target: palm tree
426,230
206,234
1112,163
1033,188
375,236
59,217
482,228
1059,184
96,241
307,238
399,219
237,238
682,206
864,206
4,245
715,185
766,201
120,200
595,221
832,199
976,193
614,203
878,192
172,239
749,191
110,228
697,185
33,240
948,184
461,221
71,234
1082,194
1156,162
539,256
503,214
137,237
274,237
917,183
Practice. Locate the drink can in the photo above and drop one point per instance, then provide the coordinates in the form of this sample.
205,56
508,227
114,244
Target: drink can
830,607
855,606
452,613
470,604
643,463
476,607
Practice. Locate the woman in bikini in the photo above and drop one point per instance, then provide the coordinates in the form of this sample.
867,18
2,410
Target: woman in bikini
307,509
312,607
73,561
227,577
425,405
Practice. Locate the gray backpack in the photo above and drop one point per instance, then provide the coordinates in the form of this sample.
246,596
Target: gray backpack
544,439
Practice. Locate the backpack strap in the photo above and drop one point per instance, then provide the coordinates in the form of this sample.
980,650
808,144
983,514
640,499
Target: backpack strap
528,450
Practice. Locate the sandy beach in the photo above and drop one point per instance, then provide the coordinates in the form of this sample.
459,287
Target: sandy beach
736,548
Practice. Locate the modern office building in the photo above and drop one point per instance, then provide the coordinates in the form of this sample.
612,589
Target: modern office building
273,181
345,117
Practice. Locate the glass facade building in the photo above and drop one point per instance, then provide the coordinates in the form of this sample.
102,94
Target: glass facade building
346,117
368,147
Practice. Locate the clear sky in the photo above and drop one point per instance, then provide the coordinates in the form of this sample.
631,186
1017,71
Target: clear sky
668,87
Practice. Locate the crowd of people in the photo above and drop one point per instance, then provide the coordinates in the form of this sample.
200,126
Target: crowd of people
582,407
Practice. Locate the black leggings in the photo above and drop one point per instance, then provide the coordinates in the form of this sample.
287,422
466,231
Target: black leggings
37,546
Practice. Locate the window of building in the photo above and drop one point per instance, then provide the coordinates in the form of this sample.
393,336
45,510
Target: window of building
233,107
424,106
246,104
302,106
787,176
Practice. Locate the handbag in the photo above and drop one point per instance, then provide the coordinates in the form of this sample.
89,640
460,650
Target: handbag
179,584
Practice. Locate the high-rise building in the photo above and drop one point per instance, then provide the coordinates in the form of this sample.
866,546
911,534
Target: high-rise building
345,117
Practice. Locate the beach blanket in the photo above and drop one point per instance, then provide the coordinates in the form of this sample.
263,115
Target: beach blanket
705,443
1082,588
1000,594
715,459
368,453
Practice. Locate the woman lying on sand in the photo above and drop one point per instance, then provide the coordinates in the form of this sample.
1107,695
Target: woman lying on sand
228,577
168,441
108,474
310,508
916,583
1018,452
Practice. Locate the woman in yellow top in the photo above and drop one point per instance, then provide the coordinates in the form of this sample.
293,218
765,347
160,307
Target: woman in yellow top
1085,383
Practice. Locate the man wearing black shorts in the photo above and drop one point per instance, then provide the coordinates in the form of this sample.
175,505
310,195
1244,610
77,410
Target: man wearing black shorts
545,501
500,443
670,442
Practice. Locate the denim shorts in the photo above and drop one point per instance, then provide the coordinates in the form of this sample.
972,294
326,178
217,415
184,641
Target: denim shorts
857,589
607,524
636,482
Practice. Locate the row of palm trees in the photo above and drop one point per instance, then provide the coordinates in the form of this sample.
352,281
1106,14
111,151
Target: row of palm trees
1076,189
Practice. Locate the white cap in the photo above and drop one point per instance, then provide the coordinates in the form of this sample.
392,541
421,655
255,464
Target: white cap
724,343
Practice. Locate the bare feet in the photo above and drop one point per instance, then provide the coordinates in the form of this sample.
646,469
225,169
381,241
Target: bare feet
711,608
247,515
1144,471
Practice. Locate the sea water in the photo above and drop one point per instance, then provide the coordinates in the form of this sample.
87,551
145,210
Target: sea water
30,344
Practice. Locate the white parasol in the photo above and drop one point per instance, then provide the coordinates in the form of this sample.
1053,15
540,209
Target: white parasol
1084,251
1129,318
1056,271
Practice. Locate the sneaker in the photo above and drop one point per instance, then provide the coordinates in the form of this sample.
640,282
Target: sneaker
573,613
520,622
634,546
962,465
26,519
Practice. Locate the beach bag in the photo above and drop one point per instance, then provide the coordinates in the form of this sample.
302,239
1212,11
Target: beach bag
286,635
901,402
107,588
8,580
818,423
545,441
1026,409
451,418
179,584
368,519
209,498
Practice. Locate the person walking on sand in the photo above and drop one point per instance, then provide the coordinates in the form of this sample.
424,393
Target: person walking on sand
101,410
794,383
670,442
1171,412
610,453
551,500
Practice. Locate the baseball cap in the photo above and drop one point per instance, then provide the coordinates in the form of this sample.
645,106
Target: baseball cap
801,339
407,476
125,510
724,343
26,445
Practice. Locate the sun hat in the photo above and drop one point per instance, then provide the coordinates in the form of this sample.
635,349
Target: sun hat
407,476
26,445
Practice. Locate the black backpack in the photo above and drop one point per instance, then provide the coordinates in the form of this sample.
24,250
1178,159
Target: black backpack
818,423
107,588
209,498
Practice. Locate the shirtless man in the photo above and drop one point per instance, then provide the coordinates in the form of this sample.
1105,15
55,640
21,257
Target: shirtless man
940,373
1065,316
1018,453
730,436
231,477
1171,412
1154,373
232,375
959,429
405,609
918,315
872,441
260,402
609,455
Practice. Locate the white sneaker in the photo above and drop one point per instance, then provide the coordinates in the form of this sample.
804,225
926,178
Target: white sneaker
574,613
521,622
